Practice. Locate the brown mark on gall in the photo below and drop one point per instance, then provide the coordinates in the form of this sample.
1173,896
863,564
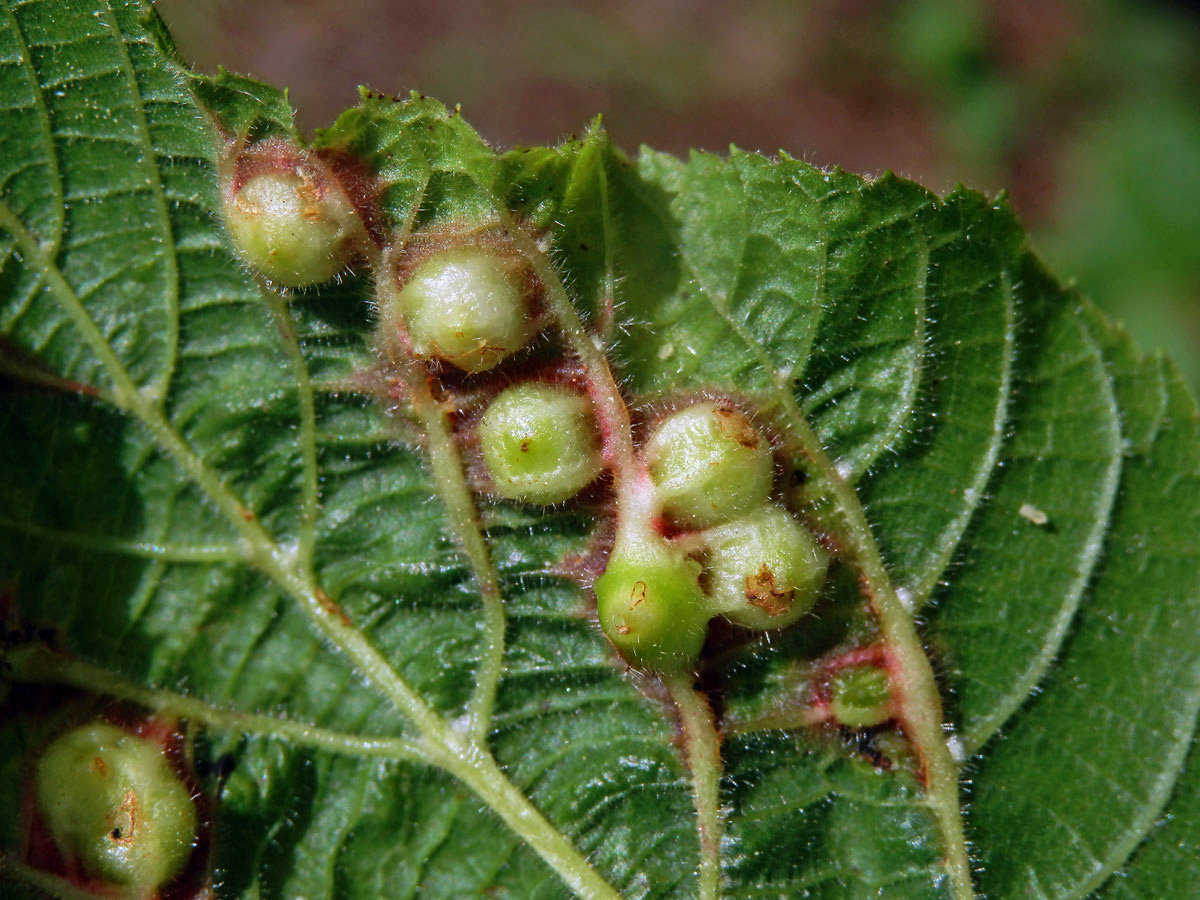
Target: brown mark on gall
762,592
638,594
734,424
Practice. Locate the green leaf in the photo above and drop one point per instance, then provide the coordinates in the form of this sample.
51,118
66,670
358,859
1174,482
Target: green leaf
228,509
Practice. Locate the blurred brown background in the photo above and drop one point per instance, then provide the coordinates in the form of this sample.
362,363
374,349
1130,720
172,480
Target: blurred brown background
1086,111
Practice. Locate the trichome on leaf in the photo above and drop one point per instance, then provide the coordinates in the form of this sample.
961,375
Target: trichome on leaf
637,647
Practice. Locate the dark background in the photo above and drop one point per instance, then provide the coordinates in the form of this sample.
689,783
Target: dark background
1086,111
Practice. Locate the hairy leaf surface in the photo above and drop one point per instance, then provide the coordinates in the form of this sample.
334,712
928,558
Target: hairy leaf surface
205,514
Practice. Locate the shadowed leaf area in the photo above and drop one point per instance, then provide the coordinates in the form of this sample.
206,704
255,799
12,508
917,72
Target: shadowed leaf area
210,518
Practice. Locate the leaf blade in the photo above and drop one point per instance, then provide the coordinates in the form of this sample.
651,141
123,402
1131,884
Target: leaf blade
687,252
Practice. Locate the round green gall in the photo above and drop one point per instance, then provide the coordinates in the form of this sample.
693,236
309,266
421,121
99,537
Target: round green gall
709,464
651,605
290,228
467,306
860,696
539,443
764,570
114,806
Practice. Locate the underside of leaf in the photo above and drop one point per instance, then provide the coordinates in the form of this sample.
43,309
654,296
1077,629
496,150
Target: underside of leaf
253,521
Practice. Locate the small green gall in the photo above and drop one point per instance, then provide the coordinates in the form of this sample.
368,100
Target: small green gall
539,443
290,228
860,696
709,464
467,306
114,806
651,605
764,570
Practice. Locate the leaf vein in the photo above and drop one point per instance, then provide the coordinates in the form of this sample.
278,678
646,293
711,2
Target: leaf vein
38,104
147,160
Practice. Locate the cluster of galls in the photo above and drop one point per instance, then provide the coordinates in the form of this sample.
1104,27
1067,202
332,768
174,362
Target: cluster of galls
702,536
699,532
706,538
733,552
